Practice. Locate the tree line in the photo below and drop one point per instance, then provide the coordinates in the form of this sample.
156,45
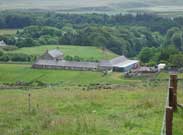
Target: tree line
21,19
121,40
153,39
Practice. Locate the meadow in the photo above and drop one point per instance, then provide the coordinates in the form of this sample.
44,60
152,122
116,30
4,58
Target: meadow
136,106
20,72
85,52
77,112
8,31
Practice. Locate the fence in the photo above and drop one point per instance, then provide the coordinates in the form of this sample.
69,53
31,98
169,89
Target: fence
170,106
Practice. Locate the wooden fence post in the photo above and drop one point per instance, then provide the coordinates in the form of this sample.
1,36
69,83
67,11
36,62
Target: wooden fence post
29,102
169,120
171,97
173,83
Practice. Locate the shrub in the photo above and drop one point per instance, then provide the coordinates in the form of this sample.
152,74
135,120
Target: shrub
4,58
19,57
1,53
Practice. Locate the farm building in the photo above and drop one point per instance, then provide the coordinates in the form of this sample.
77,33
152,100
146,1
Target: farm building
54,59
123,64
68,65
2,43
52,55
105,65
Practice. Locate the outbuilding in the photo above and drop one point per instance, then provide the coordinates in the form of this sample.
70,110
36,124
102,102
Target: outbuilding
161,66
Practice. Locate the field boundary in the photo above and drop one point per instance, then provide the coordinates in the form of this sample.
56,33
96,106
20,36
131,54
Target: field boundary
170,106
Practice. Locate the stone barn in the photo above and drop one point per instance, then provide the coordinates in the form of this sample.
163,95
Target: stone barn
52,55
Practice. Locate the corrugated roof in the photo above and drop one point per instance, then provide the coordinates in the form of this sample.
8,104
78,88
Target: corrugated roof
67,64
118,60
122,62
55,53
105,63
126,63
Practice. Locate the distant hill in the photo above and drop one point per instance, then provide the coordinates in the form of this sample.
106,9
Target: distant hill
115,6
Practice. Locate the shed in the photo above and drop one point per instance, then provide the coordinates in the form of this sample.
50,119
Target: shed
161,66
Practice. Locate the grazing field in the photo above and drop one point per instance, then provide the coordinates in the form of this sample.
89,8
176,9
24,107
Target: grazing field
72,111
18,72
136,106
85,52
7,31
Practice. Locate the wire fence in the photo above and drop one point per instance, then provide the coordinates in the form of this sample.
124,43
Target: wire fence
163,129
170,106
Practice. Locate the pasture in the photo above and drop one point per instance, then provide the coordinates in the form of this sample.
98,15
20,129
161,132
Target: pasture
134,107
8,31
85,52
19,72
76,112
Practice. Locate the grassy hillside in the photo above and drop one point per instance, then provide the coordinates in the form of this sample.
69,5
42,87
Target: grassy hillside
69,110
85,52
7,31
76,112
134,107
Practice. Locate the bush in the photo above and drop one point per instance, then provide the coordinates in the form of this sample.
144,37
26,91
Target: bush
4,58
15,57
9,48
19,57
68,58
1,53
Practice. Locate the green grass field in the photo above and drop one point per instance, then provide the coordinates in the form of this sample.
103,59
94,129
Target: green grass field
86,52
76,112
19,72
7,31
136,107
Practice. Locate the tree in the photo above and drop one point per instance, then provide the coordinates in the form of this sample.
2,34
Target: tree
147,54
176,60
166,52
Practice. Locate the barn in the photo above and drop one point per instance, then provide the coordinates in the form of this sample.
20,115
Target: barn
54,59
53,55
123,64
67,65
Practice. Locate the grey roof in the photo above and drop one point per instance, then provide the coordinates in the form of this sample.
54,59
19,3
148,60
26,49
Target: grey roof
105,63
122,62
55,53
67,64
118,60
2,43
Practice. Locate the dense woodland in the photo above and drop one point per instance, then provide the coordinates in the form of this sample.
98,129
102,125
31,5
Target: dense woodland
151,38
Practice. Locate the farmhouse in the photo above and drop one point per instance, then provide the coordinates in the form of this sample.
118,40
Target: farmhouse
2,43
52,55
54,59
